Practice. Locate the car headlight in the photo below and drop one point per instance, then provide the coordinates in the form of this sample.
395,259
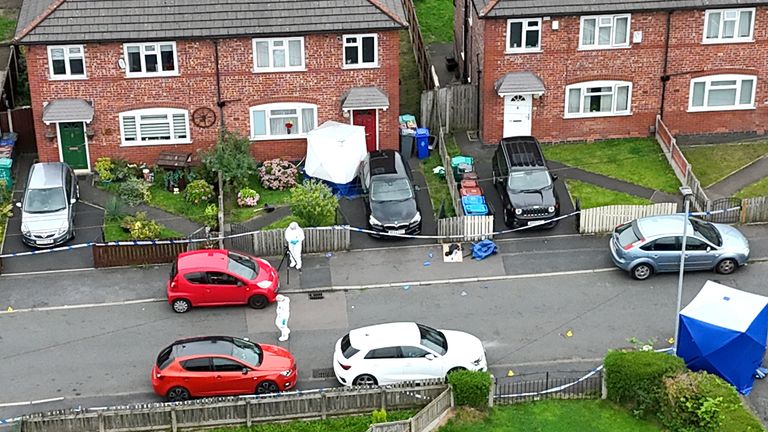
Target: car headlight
373,221
286,373
416,218
518,211
551,209
24,229
61,230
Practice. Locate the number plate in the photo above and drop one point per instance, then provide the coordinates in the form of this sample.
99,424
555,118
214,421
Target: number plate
539,222
44,242
402,231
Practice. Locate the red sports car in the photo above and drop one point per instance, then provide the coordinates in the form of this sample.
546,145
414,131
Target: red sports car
221,366
217,277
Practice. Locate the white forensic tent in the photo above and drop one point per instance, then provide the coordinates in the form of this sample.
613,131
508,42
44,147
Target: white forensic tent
334,152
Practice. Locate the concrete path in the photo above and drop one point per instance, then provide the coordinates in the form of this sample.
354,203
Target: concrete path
740,179
437,53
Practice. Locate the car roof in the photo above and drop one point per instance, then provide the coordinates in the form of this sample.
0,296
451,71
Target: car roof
385,335
523,151
206,345
46,175
664,225
385,162
203,259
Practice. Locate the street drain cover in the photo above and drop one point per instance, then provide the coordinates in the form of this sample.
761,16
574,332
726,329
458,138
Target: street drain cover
316,296
323,373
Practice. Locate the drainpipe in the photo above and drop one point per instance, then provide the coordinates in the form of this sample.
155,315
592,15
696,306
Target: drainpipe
479,91
664,75
465,60
219,102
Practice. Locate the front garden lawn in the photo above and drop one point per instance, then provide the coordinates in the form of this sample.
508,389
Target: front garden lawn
438,187
550,416
114,232
410,82
590,195
635,160
712,163
758,189
338,424
435,20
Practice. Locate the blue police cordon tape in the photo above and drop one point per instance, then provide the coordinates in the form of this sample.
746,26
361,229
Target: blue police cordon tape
335,227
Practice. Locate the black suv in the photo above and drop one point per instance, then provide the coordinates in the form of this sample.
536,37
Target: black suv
389,194
522,178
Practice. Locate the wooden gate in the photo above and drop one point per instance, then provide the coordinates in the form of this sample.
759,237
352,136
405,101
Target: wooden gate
719,206
22,123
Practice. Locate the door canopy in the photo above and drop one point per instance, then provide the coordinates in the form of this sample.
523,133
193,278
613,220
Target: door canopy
515,83
67,110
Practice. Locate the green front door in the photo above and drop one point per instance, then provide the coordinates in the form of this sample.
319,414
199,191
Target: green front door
73,145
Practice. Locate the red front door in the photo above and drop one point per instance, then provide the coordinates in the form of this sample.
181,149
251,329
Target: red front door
367,119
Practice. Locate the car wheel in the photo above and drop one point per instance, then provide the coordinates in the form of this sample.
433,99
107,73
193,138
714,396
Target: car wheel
456,369
181,305
258,302
266,387
177,394
726,266
365,380
642,271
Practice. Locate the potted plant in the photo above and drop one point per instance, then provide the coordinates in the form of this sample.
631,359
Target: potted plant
288,126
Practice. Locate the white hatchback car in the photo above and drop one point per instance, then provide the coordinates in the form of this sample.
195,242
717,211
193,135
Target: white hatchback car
404,351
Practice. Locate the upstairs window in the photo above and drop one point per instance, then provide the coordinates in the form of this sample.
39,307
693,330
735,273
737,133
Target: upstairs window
598,99
361,51
66,62
722,93
285,54
155,126
282,120
524,35
729,25
151,59
604,31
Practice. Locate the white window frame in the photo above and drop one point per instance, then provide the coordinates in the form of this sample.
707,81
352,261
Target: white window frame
68,75
707,80
298,106
736,39
169,112
144,73
524,28
588,84
271,48
359,45
612,45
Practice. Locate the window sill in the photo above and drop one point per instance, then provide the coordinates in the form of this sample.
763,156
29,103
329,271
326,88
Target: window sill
152,75
278,70
727,41
67,78
583,116
523,51
361,66
153,143
279,137
602,48
720,109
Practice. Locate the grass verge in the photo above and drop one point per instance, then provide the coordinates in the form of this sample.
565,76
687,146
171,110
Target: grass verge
435,20
438,187
712,163
283,223
114,232
7,26
635,160
550,416
758,189
410,83
590,195
339,424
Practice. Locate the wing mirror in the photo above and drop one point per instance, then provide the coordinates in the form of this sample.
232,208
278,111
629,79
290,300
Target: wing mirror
245,371
18,204
72,201
554,177
430,357
709,248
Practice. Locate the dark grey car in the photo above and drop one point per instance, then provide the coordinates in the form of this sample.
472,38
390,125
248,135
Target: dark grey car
390,196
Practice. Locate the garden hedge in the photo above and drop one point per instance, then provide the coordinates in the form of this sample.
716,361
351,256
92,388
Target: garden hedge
634,378
470,388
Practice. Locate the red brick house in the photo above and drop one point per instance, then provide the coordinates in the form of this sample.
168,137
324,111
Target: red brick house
586,70
131,79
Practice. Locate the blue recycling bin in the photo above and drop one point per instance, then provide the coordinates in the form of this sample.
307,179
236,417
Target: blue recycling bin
422,143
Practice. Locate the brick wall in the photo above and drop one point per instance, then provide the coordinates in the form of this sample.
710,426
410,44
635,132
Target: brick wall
561,63
323,84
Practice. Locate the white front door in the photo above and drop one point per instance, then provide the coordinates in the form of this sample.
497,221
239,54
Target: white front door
517,115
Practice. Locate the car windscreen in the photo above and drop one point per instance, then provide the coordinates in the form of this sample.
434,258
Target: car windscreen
243,266
707,230
433,339
390,189
529,180
346,347
45,200
247,351
626,234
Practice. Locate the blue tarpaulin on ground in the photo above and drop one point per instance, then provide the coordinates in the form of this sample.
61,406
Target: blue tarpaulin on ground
723,331
483,249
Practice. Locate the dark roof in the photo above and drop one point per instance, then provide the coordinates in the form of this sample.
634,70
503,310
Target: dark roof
69,21
203,346
523,8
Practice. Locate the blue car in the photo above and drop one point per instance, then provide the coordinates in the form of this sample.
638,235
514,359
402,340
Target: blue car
653,245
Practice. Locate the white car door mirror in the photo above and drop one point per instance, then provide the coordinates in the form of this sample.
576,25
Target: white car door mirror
18,204
430,356
709,248
72,201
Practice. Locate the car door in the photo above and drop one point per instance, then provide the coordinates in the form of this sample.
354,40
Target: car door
223,288
229,378
699,255
419,364
71,185
198,376
386,364
665,252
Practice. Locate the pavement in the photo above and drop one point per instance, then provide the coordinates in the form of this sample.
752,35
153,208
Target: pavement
437,53
729,186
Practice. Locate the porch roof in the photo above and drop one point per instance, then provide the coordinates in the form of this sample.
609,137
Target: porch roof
363,98
68,110
519,83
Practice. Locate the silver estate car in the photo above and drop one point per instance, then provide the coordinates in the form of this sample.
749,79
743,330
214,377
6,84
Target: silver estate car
653,244
48,207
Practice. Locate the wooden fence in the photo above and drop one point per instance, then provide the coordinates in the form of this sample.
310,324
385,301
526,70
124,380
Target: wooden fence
419,48
453,107
196,415
127,255
754,210
465,228
680,165
425,420
272,242
605,219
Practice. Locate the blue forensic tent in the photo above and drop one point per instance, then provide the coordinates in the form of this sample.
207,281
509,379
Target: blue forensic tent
723,331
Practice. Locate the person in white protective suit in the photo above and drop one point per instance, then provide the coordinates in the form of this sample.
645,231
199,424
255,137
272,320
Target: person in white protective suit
283,313
294,235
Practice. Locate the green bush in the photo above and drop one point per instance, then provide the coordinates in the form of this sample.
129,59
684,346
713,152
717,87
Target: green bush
313,202
686,408
121,171
379,416
113,210
231,156
211,216
103,168
470,388
145,230
198,191
634,378
134,191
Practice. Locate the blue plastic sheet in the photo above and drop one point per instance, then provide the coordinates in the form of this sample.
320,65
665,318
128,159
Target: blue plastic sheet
483,249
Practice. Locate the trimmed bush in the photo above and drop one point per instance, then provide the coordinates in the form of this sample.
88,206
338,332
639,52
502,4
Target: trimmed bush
634,378
134,191
379,416
198,191
211,216
314,203
103,168
278,174
247,197
470,388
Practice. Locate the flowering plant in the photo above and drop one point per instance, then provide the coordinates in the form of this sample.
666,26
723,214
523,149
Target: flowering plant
278,174
198,191
247,197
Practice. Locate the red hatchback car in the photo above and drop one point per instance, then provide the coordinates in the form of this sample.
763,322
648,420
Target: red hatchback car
221,366
217,277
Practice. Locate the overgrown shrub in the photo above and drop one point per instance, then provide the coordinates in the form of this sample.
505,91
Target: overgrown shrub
122,171
278,174
247,197
686,407
314,203
140,227
103,168
379,416
211,216
634,378
470,388
134,191
198,191
231,157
